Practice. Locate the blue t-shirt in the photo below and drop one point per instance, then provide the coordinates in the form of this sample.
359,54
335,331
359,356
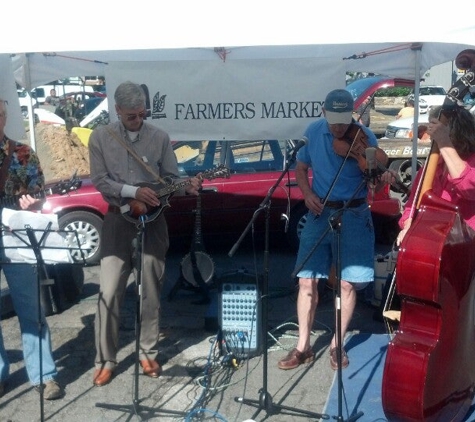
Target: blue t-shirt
325,163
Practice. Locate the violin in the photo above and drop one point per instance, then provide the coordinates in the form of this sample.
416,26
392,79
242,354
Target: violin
354,144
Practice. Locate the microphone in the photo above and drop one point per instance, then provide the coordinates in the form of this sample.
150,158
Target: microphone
371,168
371,165
300,144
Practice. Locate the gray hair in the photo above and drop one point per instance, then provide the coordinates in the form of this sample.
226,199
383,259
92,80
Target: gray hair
129,95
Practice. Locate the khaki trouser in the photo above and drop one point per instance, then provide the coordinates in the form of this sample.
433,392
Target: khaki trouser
118,261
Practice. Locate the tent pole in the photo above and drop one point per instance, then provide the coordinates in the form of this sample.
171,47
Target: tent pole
31,114
415,131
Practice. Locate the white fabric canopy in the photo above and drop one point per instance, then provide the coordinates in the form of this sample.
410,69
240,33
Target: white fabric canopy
65,39
396,59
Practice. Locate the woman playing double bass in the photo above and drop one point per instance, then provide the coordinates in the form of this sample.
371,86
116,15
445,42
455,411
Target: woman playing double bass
429,372
454,178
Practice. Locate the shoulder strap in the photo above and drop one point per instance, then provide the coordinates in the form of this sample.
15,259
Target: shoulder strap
6,165
137,158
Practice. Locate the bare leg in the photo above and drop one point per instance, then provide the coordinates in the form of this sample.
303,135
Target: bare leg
348,303
307,302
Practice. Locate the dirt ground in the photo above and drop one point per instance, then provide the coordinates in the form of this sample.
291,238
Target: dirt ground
61,153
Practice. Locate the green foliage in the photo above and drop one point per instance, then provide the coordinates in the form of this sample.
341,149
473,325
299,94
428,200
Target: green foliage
399,91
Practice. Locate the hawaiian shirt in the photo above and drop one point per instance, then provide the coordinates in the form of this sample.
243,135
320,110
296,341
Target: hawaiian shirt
25,174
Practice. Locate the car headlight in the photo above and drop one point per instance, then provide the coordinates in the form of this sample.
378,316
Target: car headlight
403,133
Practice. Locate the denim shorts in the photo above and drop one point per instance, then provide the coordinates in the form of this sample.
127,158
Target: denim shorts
350,232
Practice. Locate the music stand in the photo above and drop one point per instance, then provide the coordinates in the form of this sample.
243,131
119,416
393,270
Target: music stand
135,408
20,242
265,402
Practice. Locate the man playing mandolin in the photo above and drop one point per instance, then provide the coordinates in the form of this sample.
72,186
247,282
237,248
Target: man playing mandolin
338,189
125,154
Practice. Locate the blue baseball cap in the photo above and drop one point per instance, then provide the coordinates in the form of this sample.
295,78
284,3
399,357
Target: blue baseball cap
339,107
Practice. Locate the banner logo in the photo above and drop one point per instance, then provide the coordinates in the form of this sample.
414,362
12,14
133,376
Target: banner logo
158,106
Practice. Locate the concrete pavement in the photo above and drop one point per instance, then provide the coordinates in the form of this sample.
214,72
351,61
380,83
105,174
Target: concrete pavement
196,372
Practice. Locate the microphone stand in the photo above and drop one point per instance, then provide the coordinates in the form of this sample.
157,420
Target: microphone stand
265,402
136,408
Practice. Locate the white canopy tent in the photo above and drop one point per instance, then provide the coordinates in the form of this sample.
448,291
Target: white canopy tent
188,31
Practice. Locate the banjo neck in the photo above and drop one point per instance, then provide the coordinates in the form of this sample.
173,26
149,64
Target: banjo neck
197,243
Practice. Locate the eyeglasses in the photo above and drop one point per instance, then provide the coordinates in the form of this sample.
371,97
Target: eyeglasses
131,117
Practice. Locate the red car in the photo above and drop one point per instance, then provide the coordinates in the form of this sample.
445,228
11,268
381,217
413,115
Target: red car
227,204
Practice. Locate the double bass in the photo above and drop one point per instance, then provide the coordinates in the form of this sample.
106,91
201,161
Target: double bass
429,371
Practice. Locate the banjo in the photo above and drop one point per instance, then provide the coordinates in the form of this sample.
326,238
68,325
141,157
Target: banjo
197,267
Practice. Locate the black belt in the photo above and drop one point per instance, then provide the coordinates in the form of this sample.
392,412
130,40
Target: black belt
113,209
340,204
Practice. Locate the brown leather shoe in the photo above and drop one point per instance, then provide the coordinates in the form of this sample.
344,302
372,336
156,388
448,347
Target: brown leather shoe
296,358
334,359
102,377
151,368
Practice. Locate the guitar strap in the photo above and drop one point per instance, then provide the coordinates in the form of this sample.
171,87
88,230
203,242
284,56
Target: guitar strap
135,155
6,165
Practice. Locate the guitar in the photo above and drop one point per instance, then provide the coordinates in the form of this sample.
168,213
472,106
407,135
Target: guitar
429,372
197,266
134,210
61,188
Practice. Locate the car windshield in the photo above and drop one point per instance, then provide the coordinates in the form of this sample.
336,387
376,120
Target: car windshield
357,87
431,90
240,156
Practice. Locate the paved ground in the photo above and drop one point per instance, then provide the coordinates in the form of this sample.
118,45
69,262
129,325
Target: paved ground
195,373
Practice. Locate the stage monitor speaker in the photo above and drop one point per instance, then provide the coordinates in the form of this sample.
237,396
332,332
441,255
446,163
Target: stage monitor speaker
240,313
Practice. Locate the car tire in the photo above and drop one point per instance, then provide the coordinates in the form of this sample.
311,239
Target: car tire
88,227
404,171
298,216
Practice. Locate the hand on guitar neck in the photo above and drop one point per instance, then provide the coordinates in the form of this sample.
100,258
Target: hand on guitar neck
149,197
27,201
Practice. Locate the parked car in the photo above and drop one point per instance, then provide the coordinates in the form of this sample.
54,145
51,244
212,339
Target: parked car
403,128
45,116
429,96
42,115
365,87
84,102
227,204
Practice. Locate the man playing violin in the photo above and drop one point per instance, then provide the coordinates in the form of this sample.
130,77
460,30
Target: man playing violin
338,190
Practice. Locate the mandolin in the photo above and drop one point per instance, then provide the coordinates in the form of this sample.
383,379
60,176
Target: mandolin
135,211
429,371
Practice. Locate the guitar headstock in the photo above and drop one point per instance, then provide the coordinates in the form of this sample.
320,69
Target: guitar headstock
220,171
65,186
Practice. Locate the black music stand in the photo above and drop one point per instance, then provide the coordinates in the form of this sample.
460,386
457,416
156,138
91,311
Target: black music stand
335,225
265,402
136,408
27,239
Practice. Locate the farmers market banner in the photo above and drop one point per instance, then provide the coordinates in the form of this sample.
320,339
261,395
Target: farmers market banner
236,100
